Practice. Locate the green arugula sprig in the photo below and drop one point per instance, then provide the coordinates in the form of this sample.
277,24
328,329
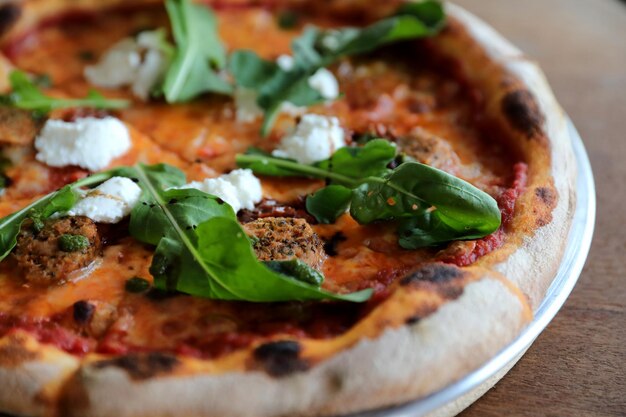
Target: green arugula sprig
200,247
198,54
26,95
317,48
430,205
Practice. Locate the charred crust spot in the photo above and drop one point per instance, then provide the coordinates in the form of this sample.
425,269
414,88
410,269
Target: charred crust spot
142,366
546,195
438,273
83,312
335,382
9,14
280,358
450,292
522,111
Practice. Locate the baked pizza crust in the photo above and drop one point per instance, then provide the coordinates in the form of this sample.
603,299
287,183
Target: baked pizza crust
532,263
390,357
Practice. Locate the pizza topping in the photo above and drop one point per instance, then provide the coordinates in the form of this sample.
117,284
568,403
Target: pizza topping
137,285
89,143
40,210
325,82
48,256
315,138
248,110
197,237
322,80
18,127
429,149
26,95
109,202
316,49
138,62
73,243
273,208
239,188
198,54
432,207
279,238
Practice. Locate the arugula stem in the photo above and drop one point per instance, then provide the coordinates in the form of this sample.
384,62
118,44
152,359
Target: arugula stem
321,173
297,167
155,194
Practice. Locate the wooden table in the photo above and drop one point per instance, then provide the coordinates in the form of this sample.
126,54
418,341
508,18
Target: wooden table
577,367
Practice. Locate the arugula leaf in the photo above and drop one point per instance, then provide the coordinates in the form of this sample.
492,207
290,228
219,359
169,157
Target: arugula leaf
202,250
411,21
317,48
261,163
371,159
438,206
199,53
55,202
415,188
26,95
328,203
287,19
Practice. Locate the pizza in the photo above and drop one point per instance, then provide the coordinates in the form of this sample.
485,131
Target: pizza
266,208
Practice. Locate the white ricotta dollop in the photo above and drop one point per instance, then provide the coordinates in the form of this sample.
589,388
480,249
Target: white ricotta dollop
285,62
89,142
315,138
118,66
325,82
239,188
138,63
322,80
109,202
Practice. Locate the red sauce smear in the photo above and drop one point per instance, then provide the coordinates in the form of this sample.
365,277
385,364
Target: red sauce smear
506,201
60,177
46,330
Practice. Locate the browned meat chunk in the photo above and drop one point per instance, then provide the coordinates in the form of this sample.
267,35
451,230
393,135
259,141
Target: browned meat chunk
18,127
280,239
61,247
429,149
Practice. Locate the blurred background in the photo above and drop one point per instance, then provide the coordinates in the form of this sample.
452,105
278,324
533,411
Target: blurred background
577,367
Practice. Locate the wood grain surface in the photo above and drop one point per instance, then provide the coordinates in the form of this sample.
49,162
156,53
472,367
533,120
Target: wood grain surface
577,367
